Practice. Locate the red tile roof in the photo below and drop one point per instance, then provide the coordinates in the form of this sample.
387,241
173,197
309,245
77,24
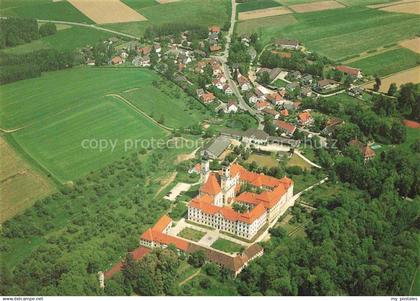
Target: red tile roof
212,186
348,70
162,223
214,28
285,126
137,254
208,97
284,112
304,116
411,124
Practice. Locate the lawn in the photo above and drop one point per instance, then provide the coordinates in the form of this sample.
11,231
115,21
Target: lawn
388,62
227,246
279,83
295,160
256,4
60,110
191,234
263,160
179,211
195,12
339,33
42,9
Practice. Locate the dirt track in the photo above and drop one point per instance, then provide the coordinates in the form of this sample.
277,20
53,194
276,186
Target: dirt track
107,11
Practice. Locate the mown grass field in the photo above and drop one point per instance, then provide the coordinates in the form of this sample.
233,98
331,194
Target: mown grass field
338,33
42,9
61,109
263,160
193,12
256,4
388,62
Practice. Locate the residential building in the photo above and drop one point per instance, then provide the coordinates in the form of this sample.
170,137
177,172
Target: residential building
367,152
231,107
327,85
287,44
354,72
287,128
305,118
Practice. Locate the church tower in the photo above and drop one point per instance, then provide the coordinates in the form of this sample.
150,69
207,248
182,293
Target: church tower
228,184
205,170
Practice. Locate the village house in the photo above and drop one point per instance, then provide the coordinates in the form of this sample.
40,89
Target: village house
275,98
306,80
284,113
354,72
287,128
227,89
327,85
366,151
331,125
306,91
271,112
287,44
207,97
305,118
141,61
117,60
231,107
355,91
244,83
261,105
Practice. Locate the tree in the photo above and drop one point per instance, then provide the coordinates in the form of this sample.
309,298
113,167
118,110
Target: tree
47,29
392,89
197,258
264,78
377,84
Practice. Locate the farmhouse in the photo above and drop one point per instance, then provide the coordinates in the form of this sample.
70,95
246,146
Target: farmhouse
287,44
213,206
350,71
327,84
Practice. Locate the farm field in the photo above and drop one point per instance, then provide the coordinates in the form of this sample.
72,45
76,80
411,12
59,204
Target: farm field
197,12
256,4
54,127
171,104
338,33
407,8
315,6
388,62
107,11
413,44
406,76
262,13
20,185
42,9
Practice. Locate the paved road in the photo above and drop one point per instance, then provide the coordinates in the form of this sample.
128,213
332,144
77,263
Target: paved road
223,60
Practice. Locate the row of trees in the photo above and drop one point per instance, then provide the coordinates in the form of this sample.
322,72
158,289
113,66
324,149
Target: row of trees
18,67
16,31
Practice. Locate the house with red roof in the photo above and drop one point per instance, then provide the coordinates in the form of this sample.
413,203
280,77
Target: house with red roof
367,152
287,128
350,71
305,118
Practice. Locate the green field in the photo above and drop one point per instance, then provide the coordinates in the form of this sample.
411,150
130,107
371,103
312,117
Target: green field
139,4
191,234
42,9
173,106
263,160
193,12
256,4
388,62
338,33
226,246
61,109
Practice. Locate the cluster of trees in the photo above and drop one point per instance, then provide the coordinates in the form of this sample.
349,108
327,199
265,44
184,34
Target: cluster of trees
83,228
298,61
167,29
16,31
23,66
239,56
357,244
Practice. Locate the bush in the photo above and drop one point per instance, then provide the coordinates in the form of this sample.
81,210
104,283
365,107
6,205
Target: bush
47,29
294,170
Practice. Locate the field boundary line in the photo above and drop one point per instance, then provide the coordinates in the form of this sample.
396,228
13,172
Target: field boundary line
136,109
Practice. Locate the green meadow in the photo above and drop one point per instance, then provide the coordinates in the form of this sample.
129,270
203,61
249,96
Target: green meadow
57,111
388,62
42,9
257,4
337,33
